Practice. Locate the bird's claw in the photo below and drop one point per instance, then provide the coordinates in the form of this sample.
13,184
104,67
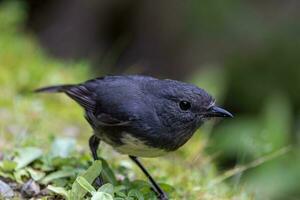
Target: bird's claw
163,197
98,182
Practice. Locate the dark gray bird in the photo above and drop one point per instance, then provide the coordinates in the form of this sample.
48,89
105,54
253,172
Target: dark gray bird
141,116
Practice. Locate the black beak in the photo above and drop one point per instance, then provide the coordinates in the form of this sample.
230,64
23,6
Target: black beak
216,111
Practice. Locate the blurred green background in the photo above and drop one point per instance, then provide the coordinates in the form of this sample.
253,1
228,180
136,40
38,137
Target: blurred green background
245,53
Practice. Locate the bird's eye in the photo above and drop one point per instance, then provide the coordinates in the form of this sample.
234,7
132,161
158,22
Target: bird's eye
184,105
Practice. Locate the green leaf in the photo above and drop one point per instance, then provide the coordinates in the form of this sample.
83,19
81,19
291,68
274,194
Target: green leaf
56,175
45,165
85,184
120,188
107,173
166,187
62,147
59,190
148,193
7,175
101,196
59,161
93,171
107,188
129,198
121,194
35,174
26,156
119,198
90,175
61,182
8,165
20,174
135,193
138,184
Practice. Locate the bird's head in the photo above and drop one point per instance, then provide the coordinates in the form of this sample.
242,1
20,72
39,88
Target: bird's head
185,107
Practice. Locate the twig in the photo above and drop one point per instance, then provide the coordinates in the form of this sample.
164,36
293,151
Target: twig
255,163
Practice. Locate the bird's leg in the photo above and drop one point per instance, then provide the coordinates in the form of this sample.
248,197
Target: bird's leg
94,142
161,194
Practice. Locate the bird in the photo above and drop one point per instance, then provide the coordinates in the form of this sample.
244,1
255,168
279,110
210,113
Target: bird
141,116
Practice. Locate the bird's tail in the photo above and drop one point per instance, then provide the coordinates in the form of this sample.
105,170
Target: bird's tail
54,89
80,93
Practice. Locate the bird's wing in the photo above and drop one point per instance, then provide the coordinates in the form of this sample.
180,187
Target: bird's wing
101,109
85,97
107,120
104,119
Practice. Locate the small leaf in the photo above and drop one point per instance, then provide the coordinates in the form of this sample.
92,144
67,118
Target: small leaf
90,175
62,147
7,175
136,193
121,194
26,156
138,184
119,198
147,192
93,171
107,173
58,162
107,188
120,188
56,175
8,165
166,187
61,182
35,174
59,190
101,196
85,184
20,174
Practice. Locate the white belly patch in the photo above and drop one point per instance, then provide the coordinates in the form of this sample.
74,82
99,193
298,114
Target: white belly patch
135,147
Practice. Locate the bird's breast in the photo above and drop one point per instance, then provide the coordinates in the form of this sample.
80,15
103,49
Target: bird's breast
143,145
136,147
128,144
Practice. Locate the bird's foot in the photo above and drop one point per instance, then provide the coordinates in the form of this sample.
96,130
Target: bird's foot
98,182
162,196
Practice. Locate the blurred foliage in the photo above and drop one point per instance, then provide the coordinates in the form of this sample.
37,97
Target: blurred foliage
249,138
53,174
271,69
254,137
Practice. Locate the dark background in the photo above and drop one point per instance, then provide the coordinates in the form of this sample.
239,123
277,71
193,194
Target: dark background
257,42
